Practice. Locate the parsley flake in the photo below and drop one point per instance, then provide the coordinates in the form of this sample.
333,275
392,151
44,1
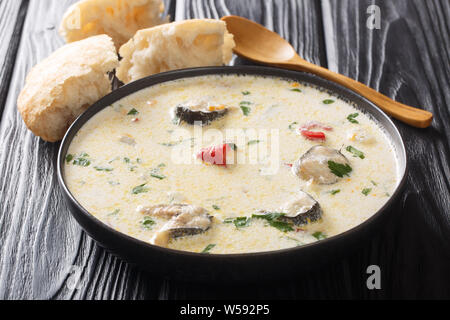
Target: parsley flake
208,248
339,169
352,117
356,152
245,110
139,189
319,235
147,222
132,112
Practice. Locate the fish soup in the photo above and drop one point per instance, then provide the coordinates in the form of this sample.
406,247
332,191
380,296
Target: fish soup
231,164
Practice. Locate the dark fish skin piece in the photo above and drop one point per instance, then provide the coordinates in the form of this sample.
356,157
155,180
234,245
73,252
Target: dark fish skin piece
183,113
182,232
312,215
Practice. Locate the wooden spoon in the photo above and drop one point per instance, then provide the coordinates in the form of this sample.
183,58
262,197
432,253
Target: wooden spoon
256,43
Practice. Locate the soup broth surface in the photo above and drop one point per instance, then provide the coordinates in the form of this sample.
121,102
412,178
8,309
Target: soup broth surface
134,155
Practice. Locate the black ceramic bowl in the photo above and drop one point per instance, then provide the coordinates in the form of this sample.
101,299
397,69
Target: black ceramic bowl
230,267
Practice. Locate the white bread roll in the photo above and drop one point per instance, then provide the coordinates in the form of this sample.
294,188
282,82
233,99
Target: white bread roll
120,19
62,86
177,45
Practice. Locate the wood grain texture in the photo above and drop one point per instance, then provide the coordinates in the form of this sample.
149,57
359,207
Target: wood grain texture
12,15
39,240
43,251
407,59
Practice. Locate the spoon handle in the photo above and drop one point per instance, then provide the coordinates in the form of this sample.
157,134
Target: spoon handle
415,117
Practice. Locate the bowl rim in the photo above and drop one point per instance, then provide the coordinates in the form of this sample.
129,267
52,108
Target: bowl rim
156,79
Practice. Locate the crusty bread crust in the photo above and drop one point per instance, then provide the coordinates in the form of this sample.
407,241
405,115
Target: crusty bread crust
177,45
120,19
62,86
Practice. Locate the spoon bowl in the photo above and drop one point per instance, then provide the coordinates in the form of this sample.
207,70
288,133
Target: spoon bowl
269,48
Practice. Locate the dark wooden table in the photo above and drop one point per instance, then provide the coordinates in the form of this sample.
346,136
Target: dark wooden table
43,251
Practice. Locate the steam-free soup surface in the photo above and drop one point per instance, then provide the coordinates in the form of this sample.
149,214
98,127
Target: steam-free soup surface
137,154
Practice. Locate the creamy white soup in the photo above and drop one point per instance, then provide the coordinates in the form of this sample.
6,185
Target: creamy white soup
231,164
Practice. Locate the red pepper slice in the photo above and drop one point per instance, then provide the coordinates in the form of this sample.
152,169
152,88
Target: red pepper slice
313,135
216,155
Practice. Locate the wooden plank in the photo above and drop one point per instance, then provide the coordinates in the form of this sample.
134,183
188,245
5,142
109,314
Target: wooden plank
43,248
39,239
407,59
12,17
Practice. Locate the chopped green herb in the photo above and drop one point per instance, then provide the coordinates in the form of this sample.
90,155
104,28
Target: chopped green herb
253,142
69,157
132,112
114,183
268,216
352,117
291,126
366,191
245,103
208,248
339,169
215,207
126,160
356,152
245,93
333,192
103,169
328,101
319,235
296,90
139,189
281,225
374,183
131,168
147,222
115,212
138,160
273,218
82,160
245,110
157,175
239,222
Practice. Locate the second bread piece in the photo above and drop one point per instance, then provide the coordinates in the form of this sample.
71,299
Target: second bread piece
177,45
120,19
59,88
